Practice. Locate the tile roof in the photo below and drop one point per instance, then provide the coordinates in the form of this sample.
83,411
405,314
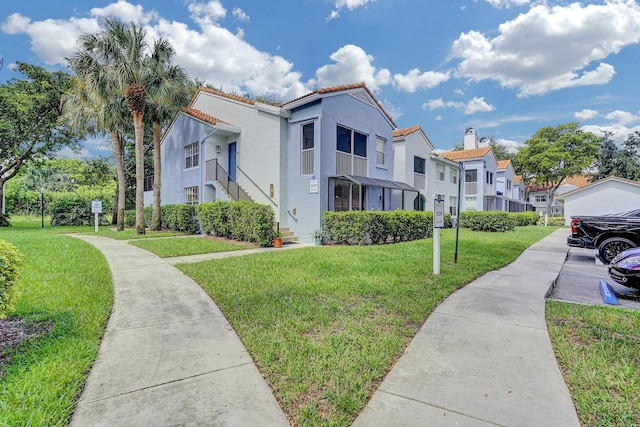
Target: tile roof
502,164
344,88
517,179
225,95
406,131
466,154
200,115
578,181
599,182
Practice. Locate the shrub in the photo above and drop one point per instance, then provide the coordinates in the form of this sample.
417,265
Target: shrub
554,221
9,273
4,220
486,221
177,217
522,219
74,209
242,220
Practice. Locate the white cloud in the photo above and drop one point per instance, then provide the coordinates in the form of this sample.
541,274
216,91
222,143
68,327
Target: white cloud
507,3
352,64
415,80
348,4
619,131
551,48
586,114
125,11
473,106
623,118
240,14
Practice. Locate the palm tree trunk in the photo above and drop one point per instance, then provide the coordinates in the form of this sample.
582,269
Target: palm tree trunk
118,151
138,125
156,223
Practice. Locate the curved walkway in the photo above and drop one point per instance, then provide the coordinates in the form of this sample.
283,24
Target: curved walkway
169,356
483,357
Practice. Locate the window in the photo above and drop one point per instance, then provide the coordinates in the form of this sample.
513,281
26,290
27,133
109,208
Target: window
508,185
470,203
539,198
191,195
453,175
439,172
381,151
418,165
351,142
489,177
453,205
191,156
308,143
471,175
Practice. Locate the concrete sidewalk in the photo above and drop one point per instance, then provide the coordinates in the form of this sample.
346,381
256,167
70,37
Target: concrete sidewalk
169,356
483,357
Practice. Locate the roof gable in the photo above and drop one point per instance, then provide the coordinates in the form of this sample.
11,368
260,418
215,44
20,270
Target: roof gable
474,153
600,182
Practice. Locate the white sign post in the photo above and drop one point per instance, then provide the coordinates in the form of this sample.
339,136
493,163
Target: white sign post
96,208
438,223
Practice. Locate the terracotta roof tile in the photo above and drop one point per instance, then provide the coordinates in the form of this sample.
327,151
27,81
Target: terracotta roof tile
227,95
406,131
578,181
517,179
343,88
200,115
467,154
503,164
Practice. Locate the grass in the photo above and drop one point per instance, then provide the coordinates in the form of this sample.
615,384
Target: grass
165,248
325,324
65,284
598,351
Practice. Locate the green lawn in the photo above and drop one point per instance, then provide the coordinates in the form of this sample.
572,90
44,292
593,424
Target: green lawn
165,248
599,352
325,324
65,285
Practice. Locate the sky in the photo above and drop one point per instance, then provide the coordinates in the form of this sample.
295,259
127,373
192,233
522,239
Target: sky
504,67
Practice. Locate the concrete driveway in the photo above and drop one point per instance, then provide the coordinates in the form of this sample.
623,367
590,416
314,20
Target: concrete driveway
579,281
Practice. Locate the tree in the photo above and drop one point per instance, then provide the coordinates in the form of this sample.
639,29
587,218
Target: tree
623,163
167,92
117,57
555,153
29,112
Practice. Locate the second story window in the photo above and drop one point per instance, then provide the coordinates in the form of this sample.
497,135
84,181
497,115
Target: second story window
539,198
191,158
381,151
453,175
489,177
508,185
308,144
418,165
352,142
439,172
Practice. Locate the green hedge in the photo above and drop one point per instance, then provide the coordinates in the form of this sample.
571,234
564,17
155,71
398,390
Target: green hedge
376,227
5,220
172,217
522,219
487,220
245,221
9,273
75,209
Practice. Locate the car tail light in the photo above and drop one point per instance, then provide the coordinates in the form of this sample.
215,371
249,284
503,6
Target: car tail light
574,225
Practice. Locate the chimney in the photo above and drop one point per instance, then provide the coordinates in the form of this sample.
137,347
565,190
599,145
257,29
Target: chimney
470,139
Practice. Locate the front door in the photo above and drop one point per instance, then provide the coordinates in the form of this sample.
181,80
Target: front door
232,161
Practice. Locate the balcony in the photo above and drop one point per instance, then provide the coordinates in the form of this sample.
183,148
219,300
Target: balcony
419,181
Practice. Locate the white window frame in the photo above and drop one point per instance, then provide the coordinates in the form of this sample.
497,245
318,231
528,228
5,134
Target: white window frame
192,156
440,172
381,152
192,195
453,175
307,156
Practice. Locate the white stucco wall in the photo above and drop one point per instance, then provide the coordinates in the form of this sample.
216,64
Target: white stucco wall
602,198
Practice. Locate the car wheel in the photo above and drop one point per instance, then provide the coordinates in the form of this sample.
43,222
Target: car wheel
612,247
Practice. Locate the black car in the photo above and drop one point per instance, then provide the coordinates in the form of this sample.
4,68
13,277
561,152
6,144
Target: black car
625,268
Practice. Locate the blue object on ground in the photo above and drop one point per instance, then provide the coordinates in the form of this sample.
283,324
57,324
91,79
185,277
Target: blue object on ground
607,293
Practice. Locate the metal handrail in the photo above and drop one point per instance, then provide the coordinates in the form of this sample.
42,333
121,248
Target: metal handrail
231,187
256,185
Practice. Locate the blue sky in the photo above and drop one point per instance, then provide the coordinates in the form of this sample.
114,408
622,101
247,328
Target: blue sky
504,67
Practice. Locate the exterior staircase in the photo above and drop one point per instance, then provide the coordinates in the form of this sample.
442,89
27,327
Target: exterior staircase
287,235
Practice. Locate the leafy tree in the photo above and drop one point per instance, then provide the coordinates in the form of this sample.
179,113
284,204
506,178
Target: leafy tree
167,92
555,153
29,111
623,163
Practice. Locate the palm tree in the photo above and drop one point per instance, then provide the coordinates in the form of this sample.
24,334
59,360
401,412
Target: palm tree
167,91
93,112
115,60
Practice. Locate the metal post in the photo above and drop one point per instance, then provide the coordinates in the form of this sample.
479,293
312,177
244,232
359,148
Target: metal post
438,223
460,178
42,206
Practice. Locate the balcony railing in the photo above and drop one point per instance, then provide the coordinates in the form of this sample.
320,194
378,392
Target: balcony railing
349,164
419,181
470,188
215,172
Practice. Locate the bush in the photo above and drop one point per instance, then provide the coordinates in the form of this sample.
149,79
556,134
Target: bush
554,221
177,218
74,209
522,219
242,220
375,227
4,220
487,221
9,273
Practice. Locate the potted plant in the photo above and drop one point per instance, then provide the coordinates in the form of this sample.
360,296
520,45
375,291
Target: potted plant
318,236
277,239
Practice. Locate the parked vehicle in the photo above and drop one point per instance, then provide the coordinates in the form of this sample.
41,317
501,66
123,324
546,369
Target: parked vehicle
625,268
610,234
